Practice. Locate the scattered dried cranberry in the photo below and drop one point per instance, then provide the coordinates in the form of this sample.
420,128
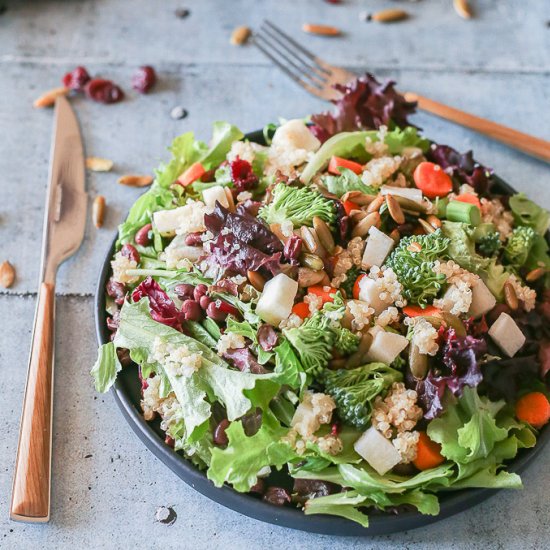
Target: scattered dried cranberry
277,496
144,79
220,437
182,13
242,175
103,91
76,79
129,251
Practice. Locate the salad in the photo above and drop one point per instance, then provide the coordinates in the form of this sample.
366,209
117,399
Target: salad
350,305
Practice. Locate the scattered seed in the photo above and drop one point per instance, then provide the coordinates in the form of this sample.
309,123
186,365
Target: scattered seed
309,277
256,280
48,98
324,234
7,274
135,180
375,205
166,515
361,199
178,112
414,247
404,202
395,210
427,227
434,221
309,239
98,211
97,164
535,274
230,200
323,30
362,228
240,36
182,13
510,296
463,8
312,261
388,16
357,215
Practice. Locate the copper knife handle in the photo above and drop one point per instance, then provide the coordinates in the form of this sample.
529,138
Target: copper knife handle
32,480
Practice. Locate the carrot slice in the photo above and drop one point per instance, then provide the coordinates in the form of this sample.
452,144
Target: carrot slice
193,173
533,408
469,198
417,311
428,453
337,162
325,295
432,180
349,206
301,309
357,287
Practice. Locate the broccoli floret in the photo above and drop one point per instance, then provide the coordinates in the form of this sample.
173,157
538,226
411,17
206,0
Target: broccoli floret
519,245
313,341
346,342
489,244
299,205
413,261
351,277
354,390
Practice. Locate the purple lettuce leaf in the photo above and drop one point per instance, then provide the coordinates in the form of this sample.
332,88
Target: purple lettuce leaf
162,308
244,360
267,337
365,104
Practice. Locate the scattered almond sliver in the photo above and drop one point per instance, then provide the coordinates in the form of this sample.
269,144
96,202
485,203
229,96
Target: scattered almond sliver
389,15
98,164
463,8
7,274
98,211
324,30
240,36
135,180
48,98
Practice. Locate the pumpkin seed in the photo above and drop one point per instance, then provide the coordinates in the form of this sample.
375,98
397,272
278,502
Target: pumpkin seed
510,296
312,261
463,8
256,280
240,36
98,211
311,240
395,210
375,205
428,228
404,202
361,199
309,277
388,16
418,362
362,228
535,274
7,274
132,180
323,30
324,234
48,98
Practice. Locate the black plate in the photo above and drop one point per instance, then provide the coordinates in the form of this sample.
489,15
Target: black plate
127,392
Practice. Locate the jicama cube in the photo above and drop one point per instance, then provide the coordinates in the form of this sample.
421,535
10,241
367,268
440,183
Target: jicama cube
410,193
213,194
294,134
507,335
275,303
483,300
386,346
379,245
369,292
377,451
167,221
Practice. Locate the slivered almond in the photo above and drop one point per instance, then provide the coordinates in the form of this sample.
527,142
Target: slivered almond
362,228
98,211
98,164
389,16
463,8
375,205
48,98
434,221
132,180
240,36
427,227
414,247
323,30
510,296
395,210
7,274
324,234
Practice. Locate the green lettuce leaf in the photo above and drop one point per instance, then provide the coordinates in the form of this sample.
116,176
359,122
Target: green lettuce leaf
223,136
345,182
288,367
343,504
106,367
526,212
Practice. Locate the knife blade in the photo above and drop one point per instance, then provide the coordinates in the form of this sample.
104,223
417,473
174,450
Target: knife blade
64,225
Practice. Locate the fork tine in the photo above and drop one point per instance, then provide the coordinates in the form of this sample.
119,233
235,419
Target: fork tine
311,89
307,65
298,46
302,70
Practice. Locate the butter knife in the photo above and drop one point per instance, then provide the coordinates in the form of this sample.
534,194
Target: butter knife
64,225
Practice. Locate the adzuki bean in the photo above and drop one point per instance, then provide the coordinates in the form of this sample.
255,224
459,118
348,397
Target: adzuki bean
214,312
200,290
220,437
142,236
192,310
277,496
116,290
129,251
184,291
205,301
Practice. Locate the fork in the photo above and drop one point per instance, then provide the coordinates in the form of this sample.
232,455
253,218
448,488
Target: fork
319,77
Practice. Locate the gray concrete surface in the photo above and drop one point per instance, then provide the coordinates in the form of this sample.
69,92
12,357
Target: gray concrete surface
107,486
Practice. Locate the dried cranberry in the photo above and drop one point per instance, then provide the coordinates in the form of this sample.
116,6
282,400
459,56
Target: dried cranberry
144,79
292,250
169,441
142,236
129,251
220,437
103,91
277,496
116,290
76,79
305,489
242,174
208,176
193,239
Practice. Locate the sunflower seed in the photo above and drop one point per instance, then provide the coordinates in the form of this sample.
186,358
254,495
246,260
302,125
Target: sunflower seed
132,180
256,280
323,30
510,296
98,211
535,274
97,164
428,228
463,8
48,98
324,234
395,210
362,228
7,274
308,277
375,205
240,36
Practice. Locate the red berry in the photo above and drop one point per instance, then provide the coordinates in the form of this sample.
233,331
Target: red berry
144,79
103,91
76,79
